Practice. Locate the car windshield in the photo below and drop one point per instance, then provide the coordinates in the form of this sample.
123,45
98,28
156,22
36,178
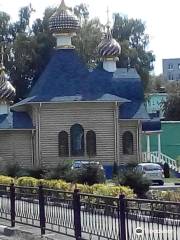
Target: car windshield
152,167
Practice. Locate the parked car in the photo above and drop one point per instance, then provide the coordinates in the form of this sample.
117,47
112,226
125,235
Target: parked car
152,171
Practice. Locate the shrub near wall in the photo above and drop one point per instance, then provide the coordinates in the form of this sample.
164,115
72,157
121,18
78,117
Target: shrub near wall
4,180
97,189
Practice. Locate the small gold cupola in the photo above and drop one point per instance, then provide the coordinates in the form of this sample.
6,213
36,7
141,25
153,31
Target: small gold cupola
64,25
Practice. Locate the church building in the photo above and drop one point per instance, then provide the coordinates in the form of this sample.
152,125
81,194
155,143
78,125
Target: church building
73,113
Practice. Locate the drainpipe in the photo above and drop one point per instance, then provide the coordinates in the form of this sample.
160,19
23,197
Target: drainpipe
117,132
148,148
115,135
159,147
32,146
37,137
39,133
139,149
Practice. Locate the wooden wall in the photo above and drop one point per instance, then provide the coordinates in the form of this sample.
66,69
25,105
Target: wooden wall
16,146
132,126
98,117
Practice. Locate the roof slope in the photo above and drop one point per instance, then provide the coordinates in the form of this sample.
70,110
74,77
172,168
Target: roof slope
63,76
15,120
66,78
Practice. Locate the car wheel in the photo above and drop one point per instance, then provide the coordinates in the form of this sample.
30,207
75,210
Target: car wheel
161,183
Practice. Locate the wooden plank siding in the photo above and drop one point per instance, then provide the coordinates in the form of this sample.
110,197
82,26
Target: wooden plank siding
55,118
16,146
132,126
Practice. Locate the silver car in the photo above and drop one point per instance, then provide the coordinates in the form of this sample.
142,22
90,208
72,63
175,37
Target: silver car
152,171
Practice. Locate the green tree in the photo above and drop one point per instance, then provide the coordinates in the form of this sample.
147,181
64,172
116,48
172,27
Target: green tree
88,39
172,108
28,49
130,33
32,49
156,84
82,12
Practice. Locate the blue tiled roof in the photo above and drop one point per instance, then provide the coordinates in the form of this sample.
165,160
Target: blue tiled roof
66,78
151,125
15,120
133,110
63,76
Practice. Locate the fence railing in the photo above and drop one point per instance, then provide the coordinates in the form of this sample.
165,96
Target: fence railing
155,157
87,216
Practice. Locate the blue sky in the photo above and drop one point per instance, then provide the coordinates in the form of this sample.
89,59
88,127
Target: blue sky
161,18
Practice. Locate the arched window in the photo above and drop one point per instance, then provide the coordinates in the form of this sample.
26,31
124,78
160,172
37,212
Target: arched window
127,140
77,140
91,143
63,144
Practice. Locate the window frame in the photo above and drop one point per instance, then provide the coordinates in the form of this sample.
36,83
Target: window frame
91,148
74,140
63,141
126,137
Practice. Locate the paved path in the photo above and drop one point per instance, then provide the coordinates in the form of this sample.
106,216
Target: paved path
166,186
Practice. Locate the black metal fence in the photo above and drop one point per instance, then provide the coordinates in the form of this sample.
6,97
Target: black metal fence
86,216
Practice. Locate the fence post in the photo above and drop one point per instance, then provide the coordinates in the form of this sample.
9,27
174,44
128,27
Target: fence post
12,200
42,210
122,230
77,214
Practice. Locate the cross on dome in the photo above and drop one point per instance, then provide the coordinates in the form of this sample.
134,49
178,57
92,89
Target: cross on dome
63,20
109,47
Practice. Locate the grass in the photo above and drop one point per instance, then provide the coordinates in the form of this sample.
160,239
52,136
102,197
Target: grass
172,180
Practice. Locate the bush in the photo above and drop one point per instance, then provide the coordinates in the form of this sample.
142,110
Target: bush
136,181
27,182
113,191
11,169
4,180
178,161
166,170
96,189
167,195
90,174
36,172
62,171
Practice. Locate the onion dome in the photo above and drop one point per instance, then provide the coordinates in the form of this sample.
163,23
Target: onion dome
109,47
7,91
63,21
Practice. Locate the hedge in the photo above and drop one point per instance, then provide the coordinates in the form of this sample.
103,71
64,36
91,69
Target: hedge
168,195
97,189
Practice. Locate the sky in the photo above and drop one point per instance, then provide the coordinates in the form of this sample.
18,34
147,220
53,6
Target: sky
161,18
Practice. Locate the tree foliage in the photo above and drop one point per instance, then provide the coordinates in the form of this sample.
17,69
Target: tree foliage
130,33
28,48
172,108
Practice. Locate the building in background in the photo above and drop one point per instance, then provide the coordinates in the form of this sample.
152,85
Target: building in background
155,104
171,69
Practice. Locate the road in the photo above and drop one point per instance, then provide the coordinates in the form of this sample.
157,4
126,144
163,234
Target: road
3,237
166,186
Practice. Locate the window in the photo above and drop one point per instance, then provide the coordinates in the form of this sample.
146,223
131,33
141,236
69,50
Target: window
127,140
178,65
63,144
170,66
171,77
77,140
91,143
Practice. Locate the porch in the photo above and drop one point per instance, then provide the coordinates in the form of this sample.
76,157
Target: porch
158,156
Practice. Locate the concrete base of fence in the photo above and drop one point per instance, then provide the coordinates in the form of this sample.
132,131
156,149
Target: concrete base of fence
22,232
